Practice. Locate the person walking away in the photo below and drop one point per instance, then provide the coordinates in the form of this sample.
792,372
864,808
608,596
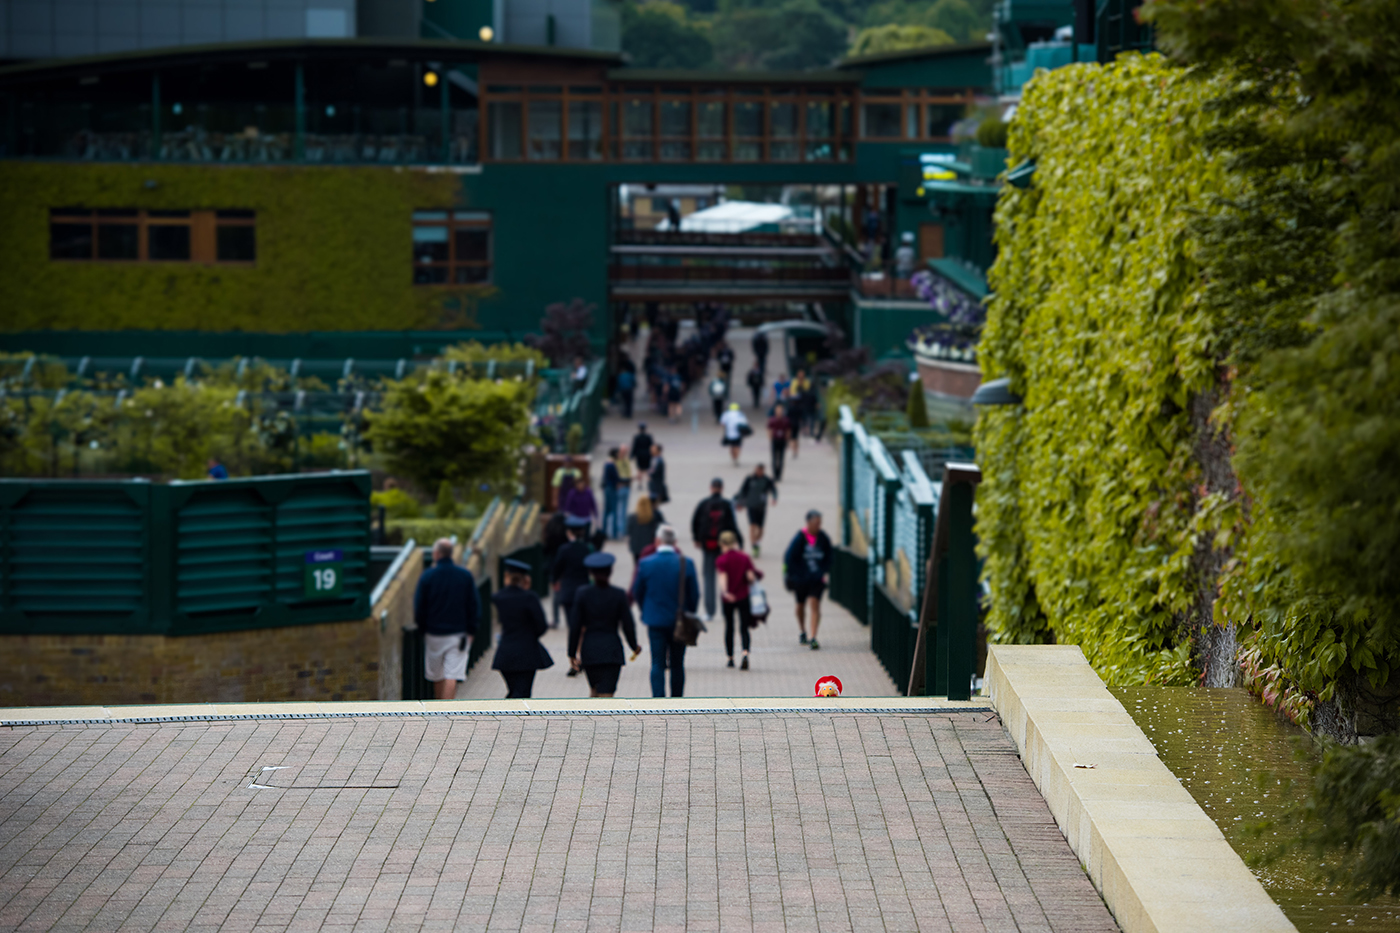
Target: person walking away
806,566
579,502
642,444
736,572
760,350
713,517
568,573
580,374
642,525
755,382
611,480
445,609
674,390
600,609
779,427
736,428
904,257
624,491
718,391
725,357
519,653
753,498
797,409
626,391
781,387
665,585
657,484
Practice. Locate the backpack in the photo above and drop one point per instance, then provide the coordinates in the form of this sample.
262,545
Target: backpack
714,524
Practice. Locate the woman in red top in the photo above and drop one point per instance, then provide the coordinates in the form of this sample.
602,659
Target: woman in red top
736,572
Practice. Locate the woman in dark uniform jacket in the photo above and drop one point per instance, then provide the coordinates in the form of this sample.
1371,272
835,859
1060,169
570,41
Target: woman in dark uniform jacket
599,610
519,653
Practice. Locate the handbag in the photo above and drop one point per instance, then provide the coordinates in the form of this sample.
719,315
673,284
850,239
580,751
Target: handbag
688,624
758,602
745,430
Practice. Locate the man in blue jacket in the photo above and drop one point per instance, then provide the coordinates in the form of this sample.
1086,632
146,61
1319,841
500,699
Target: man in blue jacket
658,593
446,608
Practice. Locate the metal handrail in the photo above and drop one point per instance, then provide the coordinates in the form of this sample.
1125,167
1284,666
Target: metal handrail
404,553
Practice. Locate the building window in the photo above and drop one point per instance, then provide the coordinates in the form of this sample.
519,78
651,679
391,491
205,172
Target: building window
451,248
881,120
133,235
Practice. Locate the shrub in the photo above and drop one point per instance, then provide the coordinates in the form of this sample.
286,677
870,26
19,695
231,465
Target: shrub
460,430
446,507
396,504
917,409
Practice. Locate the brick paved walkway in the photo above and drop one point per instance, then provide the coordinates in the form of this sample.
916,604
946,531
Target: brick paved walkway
777,821
781,667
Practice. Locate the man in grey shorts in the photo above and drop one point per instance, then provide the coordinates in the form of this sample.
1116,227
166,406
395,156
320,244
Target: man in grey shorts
445,608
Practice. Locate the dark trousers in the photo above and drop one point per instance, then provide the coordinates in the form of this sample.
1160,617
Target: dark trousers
711,587
663,646
745,613
779,450
519,684
626,405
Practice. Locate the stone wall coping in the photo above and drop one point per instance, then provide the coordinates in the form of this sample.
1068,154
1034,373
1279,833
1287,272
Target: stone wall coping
1160,862
200,712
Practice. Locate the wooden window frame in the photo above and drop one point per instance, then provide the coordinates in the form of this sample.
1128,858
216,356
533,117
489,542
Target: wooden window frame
203,226
614,98
921,99
454,221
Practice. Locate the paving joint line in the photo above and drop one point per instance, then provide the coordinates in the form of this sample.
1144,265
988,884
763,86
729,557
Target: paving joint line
437,714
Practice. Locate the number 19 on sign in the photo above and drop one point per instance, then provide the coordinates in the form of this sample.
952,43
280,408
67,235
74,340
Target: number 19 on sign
324,574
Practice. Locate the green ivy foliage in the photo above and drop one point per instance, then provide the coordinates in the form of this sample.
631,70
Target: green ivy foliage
1090,507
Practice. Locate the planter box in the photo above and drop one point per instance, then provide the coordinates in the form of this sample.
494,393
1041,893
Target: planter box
948,377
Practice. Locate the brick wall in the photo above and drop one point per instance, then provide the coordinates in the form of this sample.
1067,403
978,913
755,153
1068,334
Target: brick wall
354,660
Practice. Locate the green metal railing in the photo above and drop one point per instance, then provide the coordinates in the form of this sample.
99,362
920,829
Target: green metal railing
133,557
908,528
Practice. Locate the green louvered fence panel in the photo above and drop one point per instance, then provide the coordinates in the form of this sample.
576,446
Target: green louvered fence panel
133,557
74,555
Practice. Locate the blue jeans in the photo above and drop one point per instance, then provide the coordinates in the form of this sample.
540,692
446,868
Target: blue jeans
623,493
661,642
610,514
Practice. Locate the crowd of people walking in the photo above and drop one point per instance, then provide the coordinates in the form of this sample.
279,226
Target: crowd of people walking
668,588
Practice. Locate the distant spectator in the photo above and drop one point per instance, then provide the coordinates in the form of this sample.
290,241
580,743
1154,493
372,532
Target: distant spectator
755,381
760,350
217,470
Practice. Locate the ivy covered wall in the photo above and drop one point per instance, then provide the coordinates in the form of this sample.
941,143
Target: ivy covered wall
333,249
1196,299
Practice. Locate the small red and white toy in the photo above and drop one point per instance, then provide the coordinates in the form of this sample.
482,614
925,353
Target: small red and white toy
829,686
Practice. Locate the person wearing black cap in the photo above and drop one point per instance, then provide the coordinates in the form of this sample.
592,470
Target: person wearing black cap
599,610
713,517
519,653
568,573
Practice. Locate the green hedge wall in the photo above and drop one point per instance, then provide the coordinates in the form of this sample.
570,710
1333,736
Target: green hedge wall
1093,499
333,251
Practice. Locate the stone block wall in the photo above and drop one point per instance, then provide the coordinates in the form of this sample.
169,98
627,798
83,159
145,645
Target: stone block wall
353,660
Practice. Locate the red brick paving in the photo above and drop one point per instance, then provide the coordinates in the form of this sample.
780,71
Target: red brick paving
771,821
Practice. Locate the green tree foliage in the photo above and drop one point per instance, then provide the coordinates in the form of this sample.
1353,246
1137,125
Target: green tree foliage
793,35
962,21
461,430
659,34
991,133
895,38
1314,115
1351,816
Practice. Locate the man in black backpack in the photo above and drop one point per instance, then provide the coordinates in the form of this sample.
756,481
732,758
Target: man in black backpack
713,516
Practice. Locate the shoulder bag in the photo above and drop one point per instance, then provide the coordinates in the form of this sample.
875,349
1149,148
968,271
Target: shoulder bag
688,624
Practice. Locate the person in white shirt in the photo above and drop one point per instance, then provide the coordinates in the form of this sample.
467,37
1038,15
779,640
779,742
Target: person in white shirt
736,426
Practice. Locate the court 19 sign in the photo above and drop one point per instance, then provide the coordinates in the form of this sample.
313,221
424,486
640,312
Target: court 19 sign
324,574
